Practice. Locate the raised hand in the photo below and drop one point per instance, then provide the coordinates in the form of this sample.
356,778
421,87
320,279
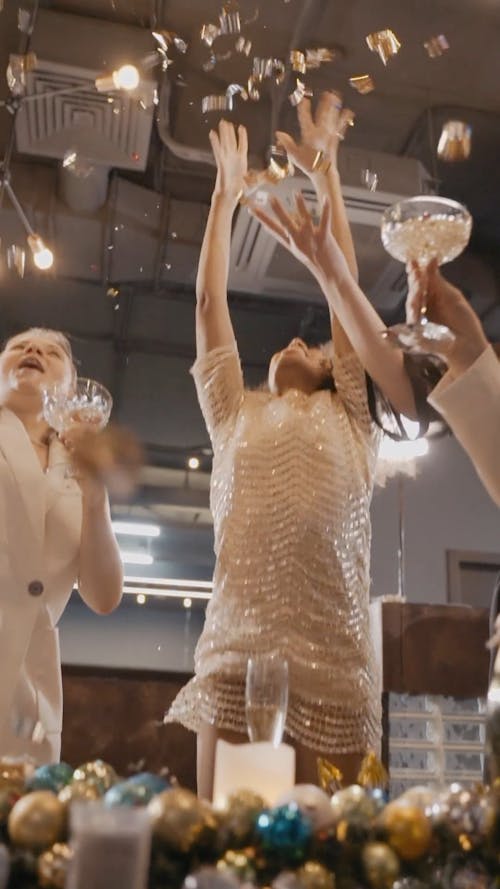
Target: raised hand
313,245
320,135
230,148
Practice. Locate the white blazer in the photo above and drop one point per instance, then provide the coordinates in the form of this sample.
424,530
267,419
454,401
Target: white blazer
470,404
40,529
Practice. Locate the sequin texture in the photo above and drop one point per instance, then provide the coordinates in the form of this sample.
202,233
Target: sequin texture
290,494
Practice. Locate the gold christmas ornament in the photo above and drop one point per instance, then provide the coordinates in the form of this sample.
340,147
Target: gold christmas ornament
239,863
238,817
313,875
385,43
353,805
329,776
362,83
53,866
381,865
37,820
83,791
373,773
180,819
409,832
14,773
98,772
455,141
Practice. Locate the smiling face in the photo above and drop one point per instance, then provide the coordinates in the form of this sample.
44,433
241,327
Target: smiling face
299,366
35,360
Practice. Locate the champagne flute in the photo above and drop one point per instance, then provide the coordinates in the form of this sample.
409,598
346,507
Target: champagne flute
266,697
420,229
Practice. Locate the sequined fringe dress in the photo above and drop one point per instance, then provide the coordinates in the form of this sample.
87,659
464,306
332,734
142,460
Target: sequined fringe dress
291,487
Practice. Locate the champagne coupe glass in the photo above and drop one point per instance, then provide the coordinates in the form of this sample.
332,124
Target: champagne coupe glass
89,404
266,697
421,229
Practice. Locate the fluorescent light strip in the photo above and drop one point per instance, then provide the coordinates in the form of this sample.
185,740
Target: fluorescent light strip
136,558
136,529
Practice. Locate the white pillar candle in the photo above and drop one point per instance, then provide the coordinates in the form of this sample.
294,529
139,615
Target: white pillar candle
261,767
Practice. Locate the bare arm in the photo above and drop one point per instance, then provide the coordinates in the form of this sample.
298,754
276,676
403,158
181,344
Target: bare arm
317,157
100,581
317,248
213,321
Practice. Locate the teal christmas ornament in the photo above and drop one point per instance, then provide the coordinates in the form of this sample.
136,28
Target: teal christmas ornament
155,783
284,831
127,794
53,776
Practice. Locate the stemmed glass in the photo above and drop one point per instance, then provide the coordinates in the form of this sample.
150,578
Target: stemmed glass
421,229
266,697
89,404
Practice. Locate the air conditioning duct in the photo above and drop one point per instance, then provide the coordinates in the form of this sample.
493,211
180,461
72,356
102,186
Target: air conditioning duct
63,112
260,265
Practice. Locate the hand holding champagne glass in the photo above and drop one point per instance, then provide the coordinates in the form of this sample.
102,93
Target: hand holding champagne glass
421,230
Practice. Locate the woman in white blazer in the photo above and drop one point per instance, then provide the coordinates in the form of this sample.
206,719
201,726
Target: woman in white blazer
52,533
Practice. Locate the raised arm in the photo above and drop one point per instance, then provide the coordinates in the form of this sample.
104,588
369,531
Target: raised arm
316,156
316,247
213,322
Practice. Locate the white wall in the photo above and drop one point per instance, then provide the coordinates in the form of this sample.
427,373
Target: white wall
446,508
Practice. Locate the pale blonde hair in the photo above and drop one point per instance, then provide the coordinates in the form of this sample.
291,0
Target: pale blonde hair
59,338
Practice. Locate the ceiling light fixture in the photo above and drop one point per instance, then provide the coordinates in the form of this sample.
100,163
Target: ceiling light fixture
125,78
194,462
136,529
42,256
187,602
141,599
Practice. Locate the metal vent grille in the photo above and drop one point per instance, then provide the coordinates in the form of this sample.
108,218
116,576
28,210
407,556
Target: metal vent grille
62,109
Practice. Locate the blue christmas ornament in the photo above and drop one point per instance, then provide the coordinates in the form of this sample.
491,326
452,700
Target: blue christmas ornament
284,831
154,782
52,777
127,794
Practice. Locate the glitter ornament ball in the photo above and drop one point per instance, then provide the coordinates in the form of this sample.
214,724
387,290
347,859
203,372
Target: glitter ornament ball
53,866
180,819
98,772
37,820
53,777
284,830
409,832
380,864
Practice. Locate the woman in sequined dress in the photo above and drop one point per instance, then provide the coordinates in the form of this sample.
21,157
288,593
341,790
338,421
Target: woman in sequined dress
292,479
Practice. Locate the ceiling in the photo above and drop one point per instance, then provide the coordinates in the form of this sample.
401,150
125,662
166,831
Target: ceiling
126,225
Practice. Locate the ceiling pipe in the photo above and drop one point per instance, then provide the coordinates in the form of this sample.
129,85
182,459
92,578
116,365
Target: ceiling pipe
183,152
